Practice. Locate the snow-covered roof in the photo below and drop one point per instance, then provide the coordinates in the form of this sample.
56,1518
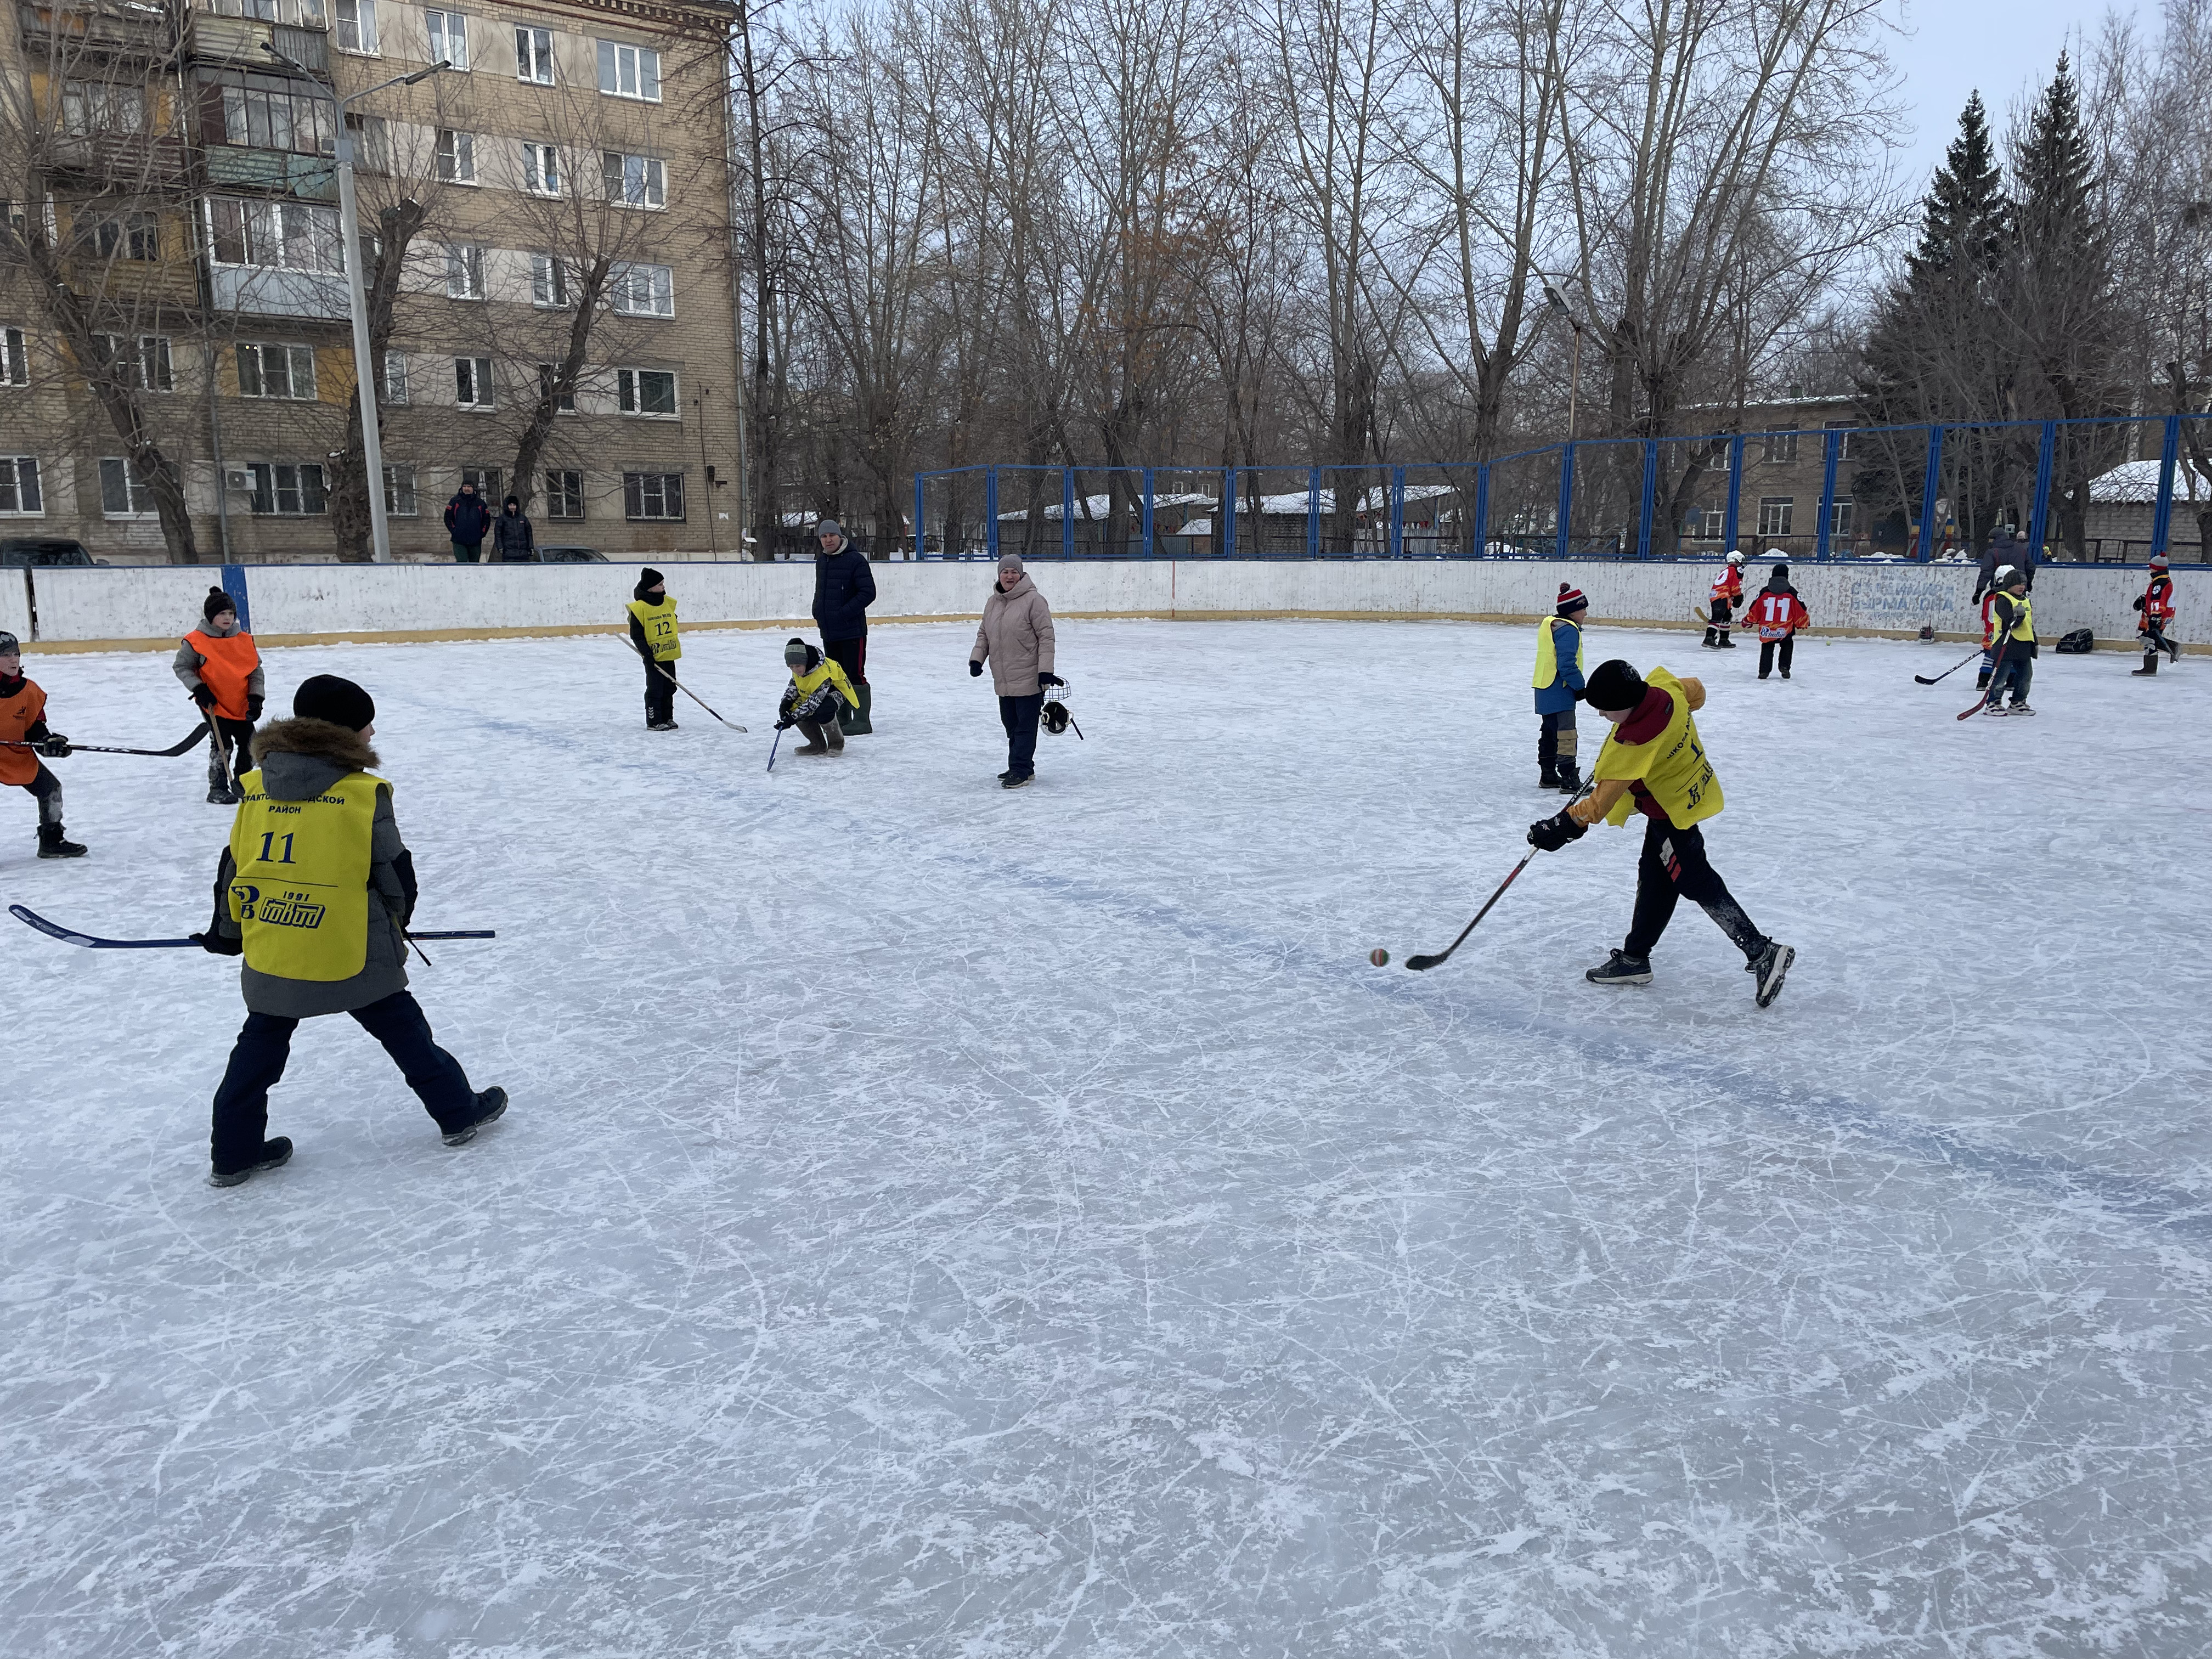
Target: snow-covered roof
2137,482
1096,507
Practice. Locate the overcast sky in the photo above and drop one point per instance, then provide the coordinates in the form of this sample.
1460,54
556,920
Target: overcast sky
2008,48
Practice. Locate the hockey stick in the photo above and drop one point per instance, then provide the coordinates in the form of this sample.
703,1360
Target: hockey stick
1997,665
222,749
1923,679
1422,964
773,747
198,732
55,930
688,691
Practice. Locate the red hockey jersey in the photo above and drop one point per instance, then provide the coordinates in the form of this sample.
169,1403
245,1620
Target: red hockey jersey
1777,616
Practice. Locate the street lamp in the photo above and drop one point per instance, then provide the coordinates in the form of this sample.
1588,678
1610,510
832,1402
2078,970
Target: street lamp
1574,352
372,441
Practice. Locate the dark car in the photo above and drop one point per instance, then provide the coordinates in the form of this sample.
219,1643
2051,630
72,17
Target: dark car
23,552
570,556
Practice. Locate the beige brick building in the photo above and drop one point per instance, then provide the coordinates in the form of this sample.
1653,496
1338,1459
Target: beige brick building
562,314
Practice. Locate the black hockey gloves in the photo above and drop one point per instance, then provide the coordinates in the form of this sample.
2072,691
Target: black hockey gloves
203,697
1045,679
974,669
254,701
216,945
1552,833
55,746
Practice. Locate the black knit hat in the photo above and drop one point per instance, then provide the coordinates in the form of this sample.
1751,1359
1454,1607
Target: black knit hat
1781,574
327,697
1613,685
647,580
216,603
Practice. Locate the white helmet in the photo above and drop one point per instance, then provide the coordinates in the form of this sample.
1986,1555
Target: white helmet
1735,555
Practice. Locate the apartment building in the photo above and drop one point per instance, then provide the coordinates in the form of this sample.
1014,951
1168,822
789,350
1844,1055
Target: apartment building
545,222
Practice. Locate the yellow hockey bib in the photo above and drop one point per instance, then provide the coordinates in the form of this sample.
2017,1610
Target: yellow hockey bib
658,621
1547,653
1673,766
300,893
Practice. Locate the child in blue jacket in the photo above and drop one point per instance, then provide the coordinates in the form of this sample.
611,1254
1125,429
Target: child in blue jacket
1559,682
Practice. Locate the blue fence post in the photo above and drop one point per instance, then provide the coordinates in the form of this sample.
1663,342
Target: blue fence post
1147,480
917,517
991,511
1650,497
1228,513
1931,479
1313,513
1734,515
1397,512
1835,449
1566,505
2047,451
233,583
1482,511
2161,518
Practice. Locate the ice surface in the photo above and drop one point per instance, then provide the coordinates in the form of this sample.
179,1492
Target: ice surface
939,1221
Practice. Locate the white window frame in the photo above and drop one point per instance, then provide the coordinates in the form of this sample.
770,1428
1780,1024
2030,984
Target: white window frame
464,266
639,489
137,500
448,32
656,282
266,226
19,478
549,283
273,481
89,107
541,167
1847,429
1839,518
457,156
638,67
533,55
1782,446
395,378
476,384
1712,524
360,25
618,170
629,394
558,494
145,359
15,357
298,360
1776,514
400,500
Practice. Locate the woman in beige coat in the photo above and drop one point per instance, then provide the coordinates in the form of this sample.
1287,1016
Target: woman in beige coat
1016,639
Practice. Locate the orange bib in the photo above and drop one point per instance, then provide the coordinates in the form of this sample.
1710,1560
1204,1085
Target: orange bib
230,665
18,715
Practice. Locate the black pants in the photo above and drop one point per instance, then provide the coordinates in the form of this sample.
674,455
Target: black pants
852,656
1019,716
46,789
1672,867
238,738
659,691
1557,741
265,1043
1768,655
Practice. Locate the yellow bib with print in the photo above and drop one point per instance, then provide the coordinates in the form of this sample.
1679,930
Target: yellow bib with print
300,893
1548,652
658,621
1673,766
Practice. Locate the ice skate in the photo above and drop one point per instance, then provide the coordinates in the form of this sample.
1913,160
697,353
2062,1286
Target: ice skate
1768,969
1621,969
220,795
491,1104
274,1154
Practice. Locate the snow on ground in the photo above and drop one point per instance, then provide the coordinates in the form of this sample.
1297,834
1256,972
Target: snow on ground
939,1221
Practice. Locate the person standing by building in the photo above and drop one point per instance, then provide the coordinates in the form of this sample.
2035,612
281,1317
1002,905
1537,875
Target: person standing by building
315,891
1777,613
1654,763
653,635
1727,594
512,540
1559,682
2155,616
1016,638
24,720
219,668
2012,650
466,521
844,588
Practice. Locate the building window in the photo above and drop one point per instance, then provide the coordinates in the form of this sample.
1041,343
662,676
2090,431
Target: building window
121,496
1774,514
564,495
464,273
276,371
372,143
128,236
643,290
549,283
1839,519
457,156
101,106
399,492
1782,446
564,403
649,392
635,180
541,169
486,480
286,491
1844,444
18,486
143,363
472,382
630,72
15,360
652,495
449,38
356,25
1709,524
395,377
260,118
284,236
533,56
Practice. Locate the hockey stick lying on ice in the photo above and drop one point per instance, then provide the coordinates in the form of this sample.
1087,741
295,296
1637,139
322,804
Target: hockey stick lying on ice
1923,679
55,930
1421,965
170,753
686,690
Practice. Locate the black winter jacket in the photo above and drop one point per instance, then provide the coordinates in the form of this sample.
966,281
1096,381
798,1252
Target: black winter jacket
467,518
844,588
513,538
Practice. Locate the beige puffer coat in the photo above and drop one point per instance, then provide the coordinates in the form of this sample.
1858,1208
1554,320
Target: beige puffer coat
1016,638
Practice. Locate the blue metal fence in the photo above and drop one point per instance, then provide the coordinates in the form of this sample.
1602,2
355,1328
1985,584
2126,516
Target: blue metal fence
1936,490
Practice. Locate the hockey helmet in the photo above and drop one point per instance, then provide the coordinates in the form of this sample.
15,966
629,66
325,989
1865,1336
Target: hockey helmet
1054,717
1735,555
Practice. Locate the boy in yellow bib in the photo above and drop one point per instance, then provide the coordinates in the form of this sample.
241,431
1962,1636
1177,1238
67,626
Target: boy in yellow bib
1655,762
819,694
653,635
314,891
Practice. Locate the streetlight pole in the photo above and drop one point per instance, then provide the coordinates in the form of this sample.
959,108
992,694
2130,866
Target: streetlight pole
372,440
1574,354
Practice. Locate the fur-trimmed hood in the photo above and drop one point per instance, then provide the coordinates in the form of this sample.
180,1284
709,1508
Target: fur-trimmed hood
300,758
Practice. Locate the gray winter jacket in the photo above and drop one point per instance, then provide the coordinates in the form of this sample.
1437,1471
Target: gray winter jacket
1016,638
299,760
186,663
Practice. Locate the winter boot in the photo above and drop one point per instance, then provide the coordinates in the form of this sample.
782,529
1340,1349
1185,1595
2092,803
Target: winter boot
490,1104
53,844
1982,680
1621,969
2150,665
1547,774
1709,638
1768,966
218,794
855,720
1570,778
834,735
274,1154
814,744
1728,642
1017,781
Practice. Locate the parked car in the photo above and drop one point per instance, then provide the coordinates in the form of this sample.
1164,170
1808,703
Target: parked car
24,552
569,556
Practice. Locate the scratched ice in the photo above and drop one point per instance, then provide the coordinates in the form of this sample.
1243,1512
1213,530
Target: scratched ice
936,1221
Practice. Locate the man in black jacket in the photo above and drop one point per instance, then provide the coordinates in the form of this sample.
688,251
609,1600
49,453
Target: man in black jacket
512,540
467,522
844,588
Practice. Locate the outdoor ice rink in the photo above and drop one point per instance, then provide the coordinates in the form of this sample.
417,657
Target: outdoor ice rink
933,1220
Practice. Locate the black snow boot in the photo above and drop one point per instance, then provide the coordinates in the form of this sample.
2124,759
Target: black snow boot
1017,780
53,844
274,1154
220,795
1621,969
2150,665
1570,778
1709,638
1727,642
855,720
1982,680
1547,774
1769,966
490,1105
